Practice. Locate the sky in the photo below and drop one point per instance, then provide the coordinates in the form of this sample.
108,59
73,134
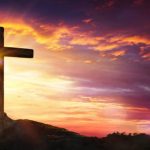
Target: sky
91,67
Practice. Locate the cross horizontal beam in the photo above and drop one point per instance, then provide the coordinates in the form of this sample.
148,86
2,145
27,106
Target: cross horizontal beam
17,52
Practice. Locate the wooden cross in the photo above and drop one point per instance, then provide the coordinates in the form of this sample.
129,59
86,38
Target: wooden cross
10,52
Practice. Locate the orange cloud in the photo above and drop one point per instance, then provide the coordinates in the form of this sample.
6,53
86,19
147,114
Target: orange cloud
118,53
136,40
51,36
106,47
50,40
84,39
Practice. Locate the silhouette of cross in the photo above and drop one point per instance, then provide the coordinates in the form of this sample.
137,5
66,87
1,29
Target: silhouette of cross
10,52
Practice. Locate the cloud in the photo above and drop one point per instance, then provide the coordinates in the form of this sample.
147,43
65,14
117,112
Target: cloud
90,55
65,37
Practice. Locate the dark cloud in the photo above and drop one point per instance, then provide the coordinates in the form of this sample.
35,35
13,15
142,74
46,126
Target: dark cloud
124,16
112,13
130,17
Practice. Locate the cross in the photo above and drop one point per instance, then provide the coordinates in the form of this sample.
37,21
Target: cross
10,52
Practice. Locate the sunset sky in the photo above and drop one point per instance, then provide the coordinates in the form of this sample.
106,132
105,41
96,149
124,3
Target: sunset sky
91,69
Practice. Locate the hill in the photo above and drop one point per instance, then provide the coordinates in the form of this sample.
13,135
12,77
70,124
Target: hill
32,135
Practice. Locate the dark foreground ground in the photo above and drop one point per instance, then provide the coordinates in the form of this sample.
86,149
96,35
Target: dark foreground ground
31,135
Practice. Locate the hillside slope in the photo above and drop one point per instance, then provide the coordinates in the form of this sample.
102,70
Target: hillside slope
32,135
27,134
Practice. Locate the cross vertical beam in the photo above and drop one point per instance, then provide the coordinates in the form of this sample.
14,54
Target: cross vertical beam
1,72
